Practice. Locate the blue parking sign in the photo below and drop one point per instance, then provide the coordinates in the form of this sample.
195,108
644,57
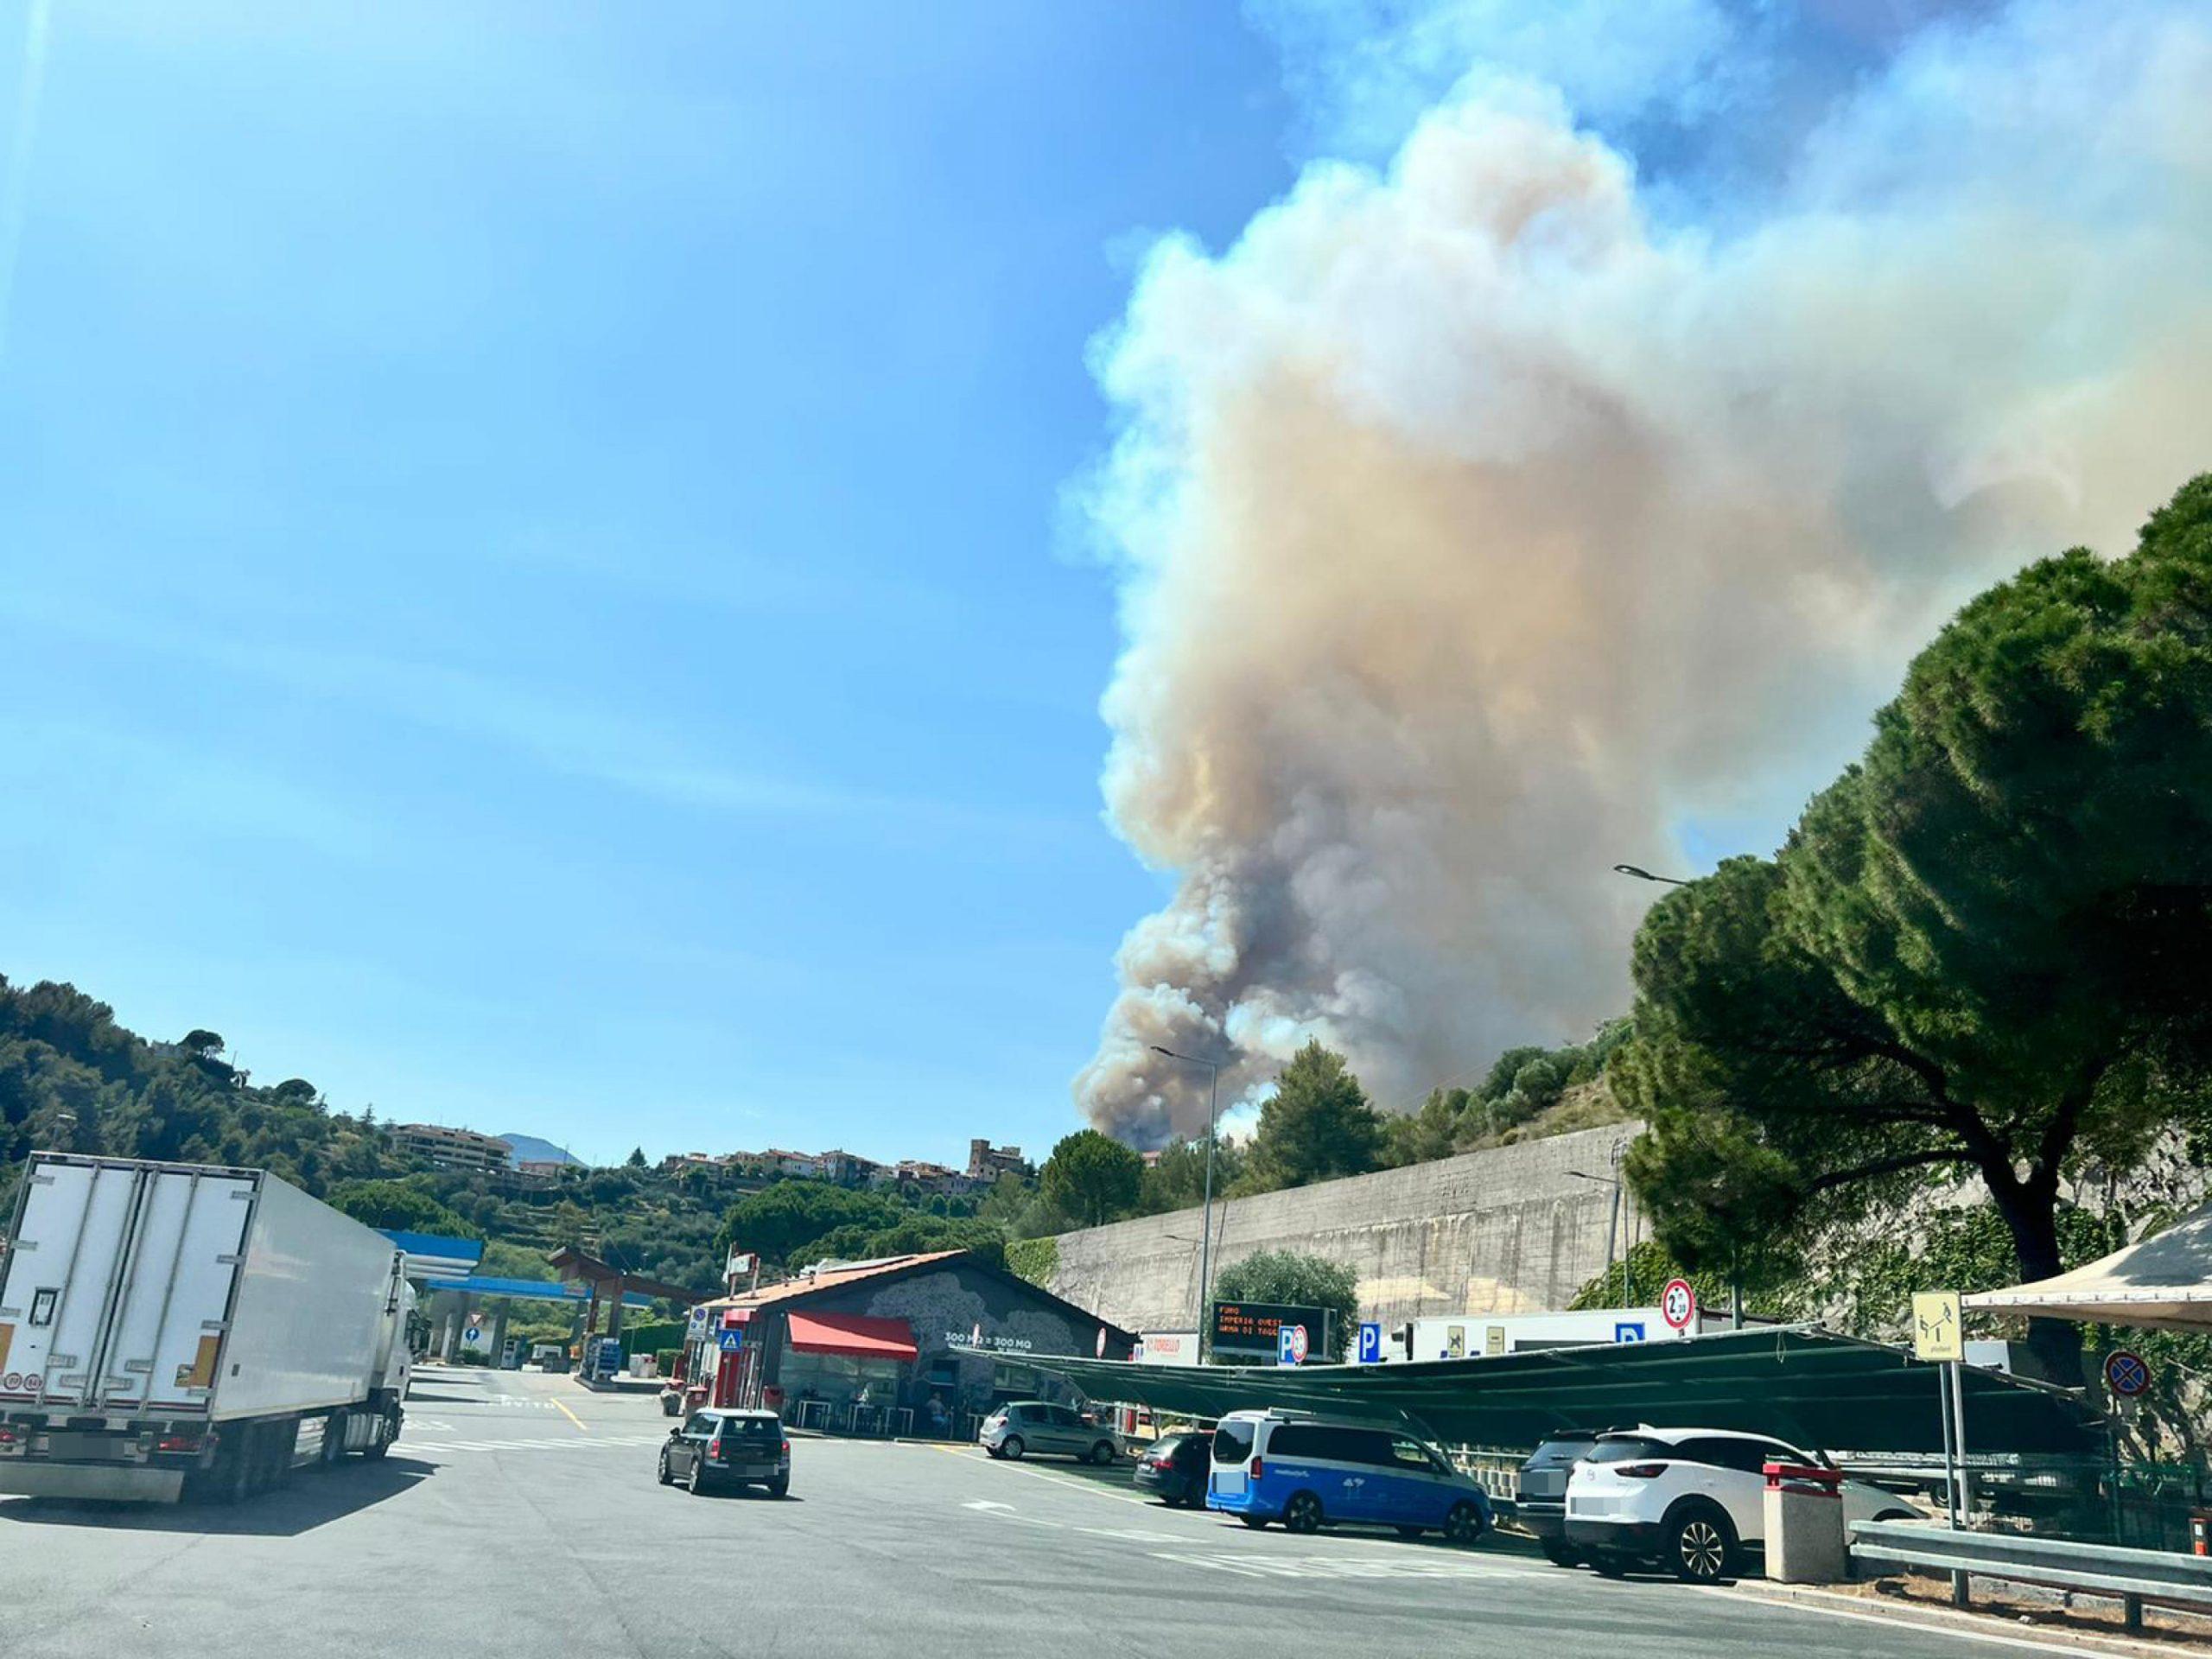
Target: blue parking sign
1370,1343
1628,1331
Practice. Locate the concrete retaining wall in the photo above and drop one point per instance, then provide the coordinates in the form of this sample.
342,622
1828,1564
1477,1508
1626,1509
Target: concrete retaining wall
1507,1231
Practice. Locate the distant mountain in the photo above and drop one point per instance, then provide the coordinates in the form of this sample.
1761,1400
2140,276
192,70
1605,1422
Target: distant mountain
529,1149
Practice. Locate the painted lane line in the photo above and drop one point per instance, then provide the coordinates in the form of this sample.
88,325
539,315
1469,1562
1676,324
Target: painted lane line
573,1418
1926,1628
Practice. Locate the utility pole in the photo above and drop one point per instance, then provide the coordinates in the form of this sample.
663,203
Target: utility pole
1205,1225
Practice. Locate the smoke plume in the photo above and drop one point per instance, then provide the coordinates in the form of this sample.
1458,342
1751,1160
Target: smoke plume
1481,524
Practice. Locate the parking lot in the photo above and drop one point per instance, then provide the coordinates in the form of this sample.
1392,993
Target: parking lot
520,1515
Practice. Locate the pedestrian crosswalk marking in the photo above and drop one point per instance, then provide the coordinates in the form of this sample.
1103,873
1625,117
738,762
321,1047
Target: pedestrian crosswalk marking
406,1444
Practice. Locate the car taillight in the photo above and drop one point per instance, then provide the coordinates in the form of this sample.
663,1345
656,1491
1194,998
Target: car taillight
9,1437
714,1448
177,1443
1258,1469
1640,1471
787,1448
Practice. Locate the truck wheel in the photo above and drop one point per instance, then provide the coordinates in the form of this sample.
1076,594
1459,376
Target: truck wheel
333,1437
388,1431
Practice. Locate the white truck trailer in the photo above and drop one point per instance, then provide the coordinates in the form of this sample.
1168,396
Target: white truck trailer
1473,1336
167,1325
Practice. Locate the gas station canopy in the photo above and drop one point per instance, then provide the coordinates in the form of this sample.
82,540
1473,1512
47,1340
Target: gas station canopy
1810,1387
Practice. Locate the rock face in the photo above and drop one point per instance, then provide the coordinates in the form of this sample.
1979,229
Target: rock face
1504,1231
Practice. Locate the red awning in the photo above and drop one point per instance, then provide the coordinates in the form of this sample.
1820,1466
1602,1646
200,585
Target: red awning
853,1333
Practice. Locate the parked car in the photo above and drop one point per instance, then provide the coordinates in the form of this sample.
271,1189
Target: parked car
1540,1504
1025,1426
1691,1500
1309,1473
711,1449
1174,1468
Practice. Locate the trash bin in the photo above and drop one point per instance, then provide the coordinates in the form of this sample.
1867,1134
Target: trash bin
1804,1525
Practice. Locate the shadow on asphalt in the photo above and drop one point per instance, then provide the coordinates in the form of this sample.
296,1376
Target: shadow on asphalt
476,1399
314,1497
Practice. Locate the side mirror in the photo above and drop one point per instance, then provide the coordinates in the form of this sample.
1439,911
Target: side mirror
675,1433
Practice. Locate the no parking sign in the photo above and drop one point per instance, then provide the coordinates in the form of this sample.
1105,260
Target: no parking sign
2125,1373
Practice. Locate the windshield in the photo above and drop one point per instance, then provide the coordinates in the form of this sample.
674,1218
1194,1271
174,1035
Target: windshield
1552,1454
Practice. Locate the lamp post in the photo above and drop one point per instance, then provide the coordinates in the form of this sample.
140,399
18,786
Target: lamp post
1205,1221
1612,1226
1643,874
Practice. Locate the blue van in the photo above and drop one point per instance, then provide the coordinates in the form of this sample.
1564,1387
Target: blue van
1308,1474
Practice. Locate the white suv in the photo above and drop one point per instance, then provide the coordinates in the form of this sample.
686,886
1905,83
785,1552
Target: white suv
1691,1499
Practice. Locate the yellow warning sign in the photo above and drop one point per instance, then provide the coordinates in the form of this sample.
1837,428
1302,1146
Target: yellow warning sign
1936,1326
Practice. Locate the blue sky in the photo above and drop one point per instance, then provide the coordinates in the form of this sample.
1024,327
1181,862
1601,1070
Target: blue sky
535,586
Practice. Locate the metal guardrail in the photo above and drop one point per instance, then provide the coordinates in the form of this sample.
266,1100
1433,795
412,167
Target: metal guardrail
2130,1576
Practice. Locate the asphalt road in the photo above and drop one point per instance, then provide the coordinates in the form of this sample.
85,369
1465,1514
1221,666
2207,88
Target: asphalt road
519,1516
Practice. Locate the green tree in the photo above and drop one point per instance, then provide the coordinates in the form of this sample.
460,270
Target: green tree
202,1043
1982,950
1317,1126
637,1158
1176,1178
1301,1280
399,1204
1432,1132
782,1221
1091,1179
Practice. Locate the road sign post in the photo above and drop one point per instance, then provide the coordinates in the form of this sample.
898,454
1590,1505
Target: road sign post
1939,1339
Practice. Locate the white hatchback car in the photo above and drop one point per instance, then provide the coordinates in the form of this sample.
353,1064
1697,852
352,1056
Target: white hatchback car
1692,1500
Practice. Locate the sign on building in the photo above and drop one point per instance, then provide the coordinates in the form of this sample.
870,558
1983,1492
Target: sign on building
1168,1348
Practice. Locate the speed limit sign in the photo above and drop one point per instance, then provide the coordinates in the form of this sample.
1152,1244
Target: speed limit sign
1678,1304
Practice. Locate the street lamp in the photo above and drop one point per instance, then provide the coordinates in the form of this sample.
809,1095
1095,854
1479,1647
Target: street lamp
1612,1226
1205,1221
1643,874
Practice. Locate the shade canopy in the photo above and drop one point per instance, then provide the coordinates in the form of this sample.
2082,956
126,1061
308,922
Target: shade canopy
1810,1386
2164,1282
853,1334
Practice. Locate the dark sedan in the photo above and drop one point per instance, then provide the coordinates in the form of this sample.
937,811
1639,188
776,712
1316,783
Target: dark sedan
1174,1468
1541,1507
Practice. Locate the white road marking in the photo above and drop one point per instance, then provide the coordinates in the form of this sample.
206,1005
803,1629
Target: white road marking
1926,1627
407,1443
1414,1565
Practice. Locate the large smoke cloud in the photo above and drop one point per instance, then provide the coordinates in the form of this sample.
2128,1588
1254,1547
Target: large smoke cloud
1480,525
